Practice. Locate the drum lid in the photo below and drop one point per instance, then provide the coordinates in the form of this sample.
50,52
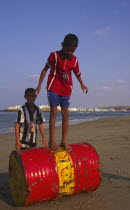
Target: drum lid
17,180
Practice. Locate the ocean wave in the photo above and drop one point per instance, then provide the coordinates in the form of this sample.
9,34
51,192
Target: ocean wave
58,123
6,130
7,120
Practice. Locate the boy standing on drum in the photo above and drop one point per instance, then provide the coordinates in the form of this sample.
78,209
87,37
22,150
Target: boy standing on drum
59,86
29,116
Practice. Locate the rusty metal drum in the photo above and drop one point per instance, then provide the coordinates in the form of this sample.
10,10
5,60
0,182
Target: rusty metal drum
41,174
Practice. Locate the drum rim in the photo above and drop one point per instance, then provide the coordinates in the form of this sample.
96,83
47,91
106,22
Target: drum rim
18,158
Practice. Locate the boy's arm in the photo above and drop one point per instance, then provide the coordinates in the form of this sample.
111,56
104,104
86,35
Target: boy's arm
41,128
84,88
18,143
78,76
42,75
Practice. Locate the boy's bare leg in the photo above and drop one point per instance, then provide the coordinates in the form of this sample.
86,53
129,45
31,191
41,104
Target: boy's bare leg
65,123
52,120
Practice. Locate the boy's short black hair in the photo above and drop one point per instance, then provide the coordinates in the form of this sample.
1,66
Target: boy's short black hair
29,90
70,40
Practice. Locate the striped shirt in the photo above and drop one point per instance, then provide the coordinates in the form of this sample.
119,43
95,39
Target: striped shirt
25,118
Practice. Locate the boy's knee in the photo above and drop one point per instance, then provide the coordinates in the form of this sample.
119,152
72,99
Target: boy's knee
64,112
53,111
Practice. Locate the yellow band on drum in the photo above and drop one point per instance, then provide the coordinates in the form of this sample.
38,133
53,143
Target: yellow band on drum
65,170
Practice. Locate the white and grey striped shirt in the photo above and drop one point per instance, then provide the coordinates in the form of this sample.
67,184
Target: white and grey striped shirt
24,118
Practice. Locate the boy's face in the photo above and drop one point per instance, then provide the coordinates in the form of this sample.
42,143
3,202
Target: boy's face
69,50
31,97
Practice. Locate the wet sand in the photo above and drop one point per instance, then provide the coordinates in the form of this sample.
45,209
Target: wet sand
111,139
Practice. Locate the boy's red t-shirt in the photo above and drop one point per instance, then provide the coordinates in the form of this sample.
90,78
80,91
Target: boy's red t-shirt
60,77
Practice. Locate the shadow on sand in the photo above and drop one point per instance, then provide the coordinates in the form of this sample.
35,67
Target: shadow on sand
4,189
114,176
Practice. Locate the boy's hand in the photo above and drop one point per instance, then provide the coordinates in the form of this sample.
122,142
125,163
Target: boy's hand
84,88
44,142
18,145
37,91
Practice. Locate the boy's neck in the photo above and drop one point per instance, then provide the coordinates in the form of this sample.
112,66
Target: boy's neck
31,107
30,104
64,55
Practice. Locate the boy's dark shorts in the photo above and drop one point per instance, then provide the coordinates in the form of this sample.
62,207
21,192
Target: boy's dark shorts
55,100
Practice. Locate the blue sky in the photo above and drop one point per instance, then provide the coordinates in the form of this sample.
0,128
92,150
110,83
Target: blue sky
31,29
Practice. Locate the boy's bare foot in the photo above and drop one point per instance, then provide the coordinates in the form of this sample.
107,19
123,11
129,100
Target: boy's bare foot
54,146
66,146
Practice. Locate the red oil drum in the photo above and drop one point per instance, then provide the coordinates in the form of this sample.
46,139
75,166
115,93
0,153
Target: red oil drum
41,174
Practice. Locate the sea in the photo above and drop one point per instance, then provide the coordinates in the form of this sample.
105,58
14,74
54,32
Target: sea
7,119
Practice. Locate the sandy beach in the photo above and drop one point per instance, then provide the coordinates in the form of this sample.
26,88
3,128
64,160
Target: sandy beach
111,139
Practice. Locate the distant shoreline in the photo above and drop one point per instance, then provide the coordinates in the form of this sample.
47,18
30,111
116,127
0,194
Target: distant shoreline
100,109
75,118
46,108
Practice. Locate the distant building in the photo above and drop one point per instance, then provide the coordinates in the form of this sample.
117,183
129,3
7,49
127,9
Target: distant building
97,110
44,108
81,110
73,109
15,108
110,110
123,110
90,110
